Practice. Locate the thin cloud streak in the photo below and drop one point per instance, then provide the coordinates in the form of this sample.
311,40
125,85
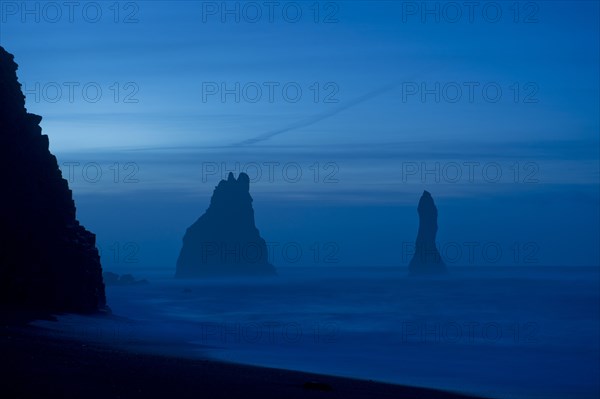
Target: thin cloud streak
317,118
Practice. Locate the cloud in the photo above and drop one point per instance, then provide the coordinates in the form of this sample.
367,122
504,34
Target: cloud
317,118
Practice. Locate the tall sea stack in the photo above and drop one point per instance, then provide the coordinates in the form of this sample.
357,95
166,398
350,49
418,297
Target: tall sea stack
427,259
48,261
225,241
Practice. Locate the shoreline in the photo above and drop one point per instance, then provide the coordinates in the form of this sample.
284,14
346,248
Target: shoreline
39,365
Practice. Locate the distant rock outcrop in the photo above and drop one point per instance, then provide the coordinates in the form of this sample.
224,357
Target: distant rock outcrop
225,241
124,279
427,259
48,261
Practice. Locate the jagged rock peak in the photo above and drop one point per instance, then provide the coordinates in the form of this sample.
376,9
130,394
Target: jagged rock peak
224,240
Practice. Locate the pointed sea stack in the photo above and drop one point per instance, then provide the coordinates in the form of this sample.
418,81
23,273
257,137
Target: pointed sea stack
225,241
427,259
48,261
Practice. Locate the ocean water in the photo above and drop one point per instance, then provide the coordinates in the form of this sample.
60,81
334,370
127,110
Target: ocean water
509,332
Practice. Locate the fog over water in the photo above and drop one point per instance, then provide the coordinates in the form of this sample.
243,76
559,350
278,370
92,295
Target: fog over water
497,331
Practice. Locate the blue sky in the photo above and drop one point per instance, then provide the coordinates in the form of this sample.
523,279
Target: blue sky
389,91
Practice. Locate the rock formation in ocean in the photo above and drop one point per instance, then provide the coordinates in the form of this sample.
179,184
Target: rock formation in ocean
427,259
48,261
111,278
225,241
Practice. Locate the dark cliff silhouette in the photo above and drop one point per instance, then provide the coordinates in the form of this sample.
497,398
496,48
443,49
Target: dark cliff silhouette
48,261
427,259
225,241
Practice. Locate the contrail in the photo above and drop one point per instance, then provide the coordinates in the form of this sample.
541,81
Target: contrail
317,118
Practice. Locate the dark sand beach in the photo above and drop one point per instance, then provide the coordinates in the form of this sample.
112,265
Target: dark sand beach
37,365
